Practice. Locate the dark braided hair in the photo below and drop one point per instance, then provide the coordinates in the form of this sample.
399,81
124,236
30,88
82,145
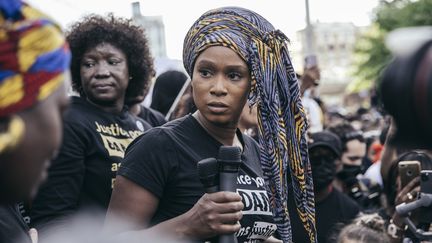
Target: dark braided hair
119,32
346,132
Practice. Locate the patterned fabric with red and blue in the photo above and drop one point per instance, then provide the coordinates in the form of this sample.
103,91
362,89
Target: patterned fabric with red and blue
34,56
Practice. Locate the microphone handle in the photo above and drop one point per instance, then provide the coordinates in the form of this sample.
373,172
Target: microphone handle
228,182
231,238
212,189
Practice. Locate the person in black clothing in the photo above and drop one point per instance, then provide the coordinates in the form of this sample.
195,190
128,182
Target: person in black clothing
170,173
166,88
349,178
333,208
151,116
110,63
353,151
34,59
160,168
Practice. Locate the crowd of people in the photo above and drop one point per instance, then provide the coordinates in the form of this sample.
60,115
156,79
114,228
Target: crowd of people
307,173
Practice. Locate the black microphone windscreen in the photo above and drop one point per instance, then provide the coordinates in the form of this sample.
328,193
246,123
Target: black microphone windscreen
229,154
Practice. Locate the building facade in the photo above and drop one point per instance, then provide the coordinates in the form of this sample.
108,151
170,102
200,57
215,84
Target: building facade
333,44
154,29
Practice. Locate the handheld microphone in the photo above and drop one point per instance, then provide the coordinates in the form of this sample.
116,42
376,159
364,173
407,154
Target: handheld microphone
229,164
208,172
229,159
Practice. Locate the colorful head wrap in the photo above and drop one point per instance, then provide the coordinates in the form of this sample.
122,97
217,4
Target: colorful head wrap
282,120
33,56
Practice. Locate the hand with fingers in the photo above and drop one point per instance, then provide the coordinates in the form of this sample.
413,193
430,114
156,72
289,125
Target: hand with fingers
214,214
407,194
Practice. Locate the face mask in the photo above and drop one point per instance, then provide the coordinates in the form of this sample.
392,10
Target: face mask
323,173
348,173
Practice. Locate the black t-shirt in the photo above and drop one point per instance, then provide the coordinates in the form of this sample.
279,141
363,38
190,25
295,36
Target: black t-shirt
153,117
164,162
334,211
13,229
83,173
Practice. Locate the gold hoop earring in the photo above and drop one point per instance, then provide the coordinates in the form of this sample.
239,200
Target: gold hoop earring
13,134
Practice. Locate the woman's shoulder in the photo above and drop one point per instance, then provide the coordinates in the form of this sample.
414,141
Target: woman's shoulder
251,154
251,146
179,122
78,110
156,137
154,145
162,137
76,118
248,140
153,135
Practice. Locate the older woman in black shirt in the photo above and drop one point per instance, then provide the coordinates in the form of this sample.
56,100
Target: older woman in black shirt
110,63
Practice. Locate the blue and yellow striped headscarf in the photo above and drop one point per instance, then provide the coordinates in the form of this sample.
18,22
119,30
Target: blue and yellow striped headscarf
33,56
281,117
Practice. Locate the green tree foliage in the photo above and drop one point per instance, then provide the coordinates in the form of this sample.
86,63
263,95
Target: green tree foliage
371,55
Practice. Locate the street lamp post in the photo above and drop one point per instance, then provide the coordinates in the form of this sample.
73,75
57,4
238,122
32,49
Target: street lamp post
309,41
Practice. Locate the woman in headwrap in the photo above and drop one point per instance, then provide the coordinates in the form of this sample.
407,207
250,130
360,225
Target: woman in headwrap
34,58
111,63
232,55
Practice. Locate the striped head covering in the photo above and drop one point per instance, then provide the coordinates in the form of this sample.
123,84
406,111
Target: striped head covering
33,56
281,117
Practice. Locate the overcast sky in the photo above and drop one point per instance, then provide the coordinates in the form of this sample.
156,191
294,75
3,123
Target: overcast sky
179,15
